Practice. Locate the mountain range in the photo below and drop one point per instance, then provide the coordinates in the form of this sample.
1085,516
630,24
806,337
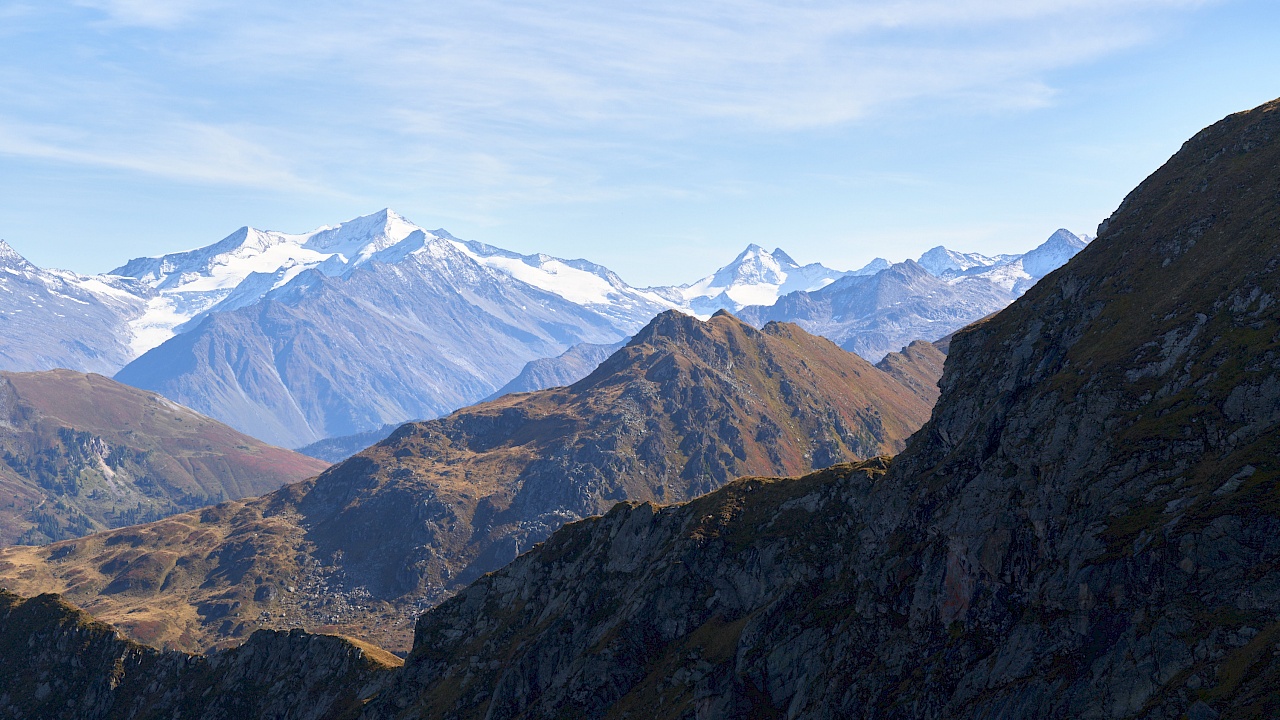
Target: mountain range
81,453
686,406
1086,527
298,338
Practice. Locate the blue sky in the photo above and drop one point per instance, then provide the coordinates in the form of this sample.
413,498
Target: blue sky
657,139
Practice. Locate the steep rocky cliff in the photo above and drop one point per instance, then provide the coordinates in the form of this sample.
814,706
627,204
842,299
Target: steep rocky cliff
1088,527
58,662
685,407
81,453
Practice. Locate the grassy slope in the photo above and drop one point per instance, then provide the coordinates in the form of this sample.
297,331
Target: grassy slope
81,453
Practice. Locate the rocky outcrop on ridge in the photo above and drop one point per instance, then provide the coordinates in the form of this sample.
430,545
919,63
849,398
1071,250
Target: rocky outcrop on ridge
58,662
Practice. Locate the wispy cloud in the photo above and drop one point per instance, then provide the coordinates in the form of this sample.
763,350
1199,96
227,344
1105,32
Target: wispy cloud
184,151
536,99
159,14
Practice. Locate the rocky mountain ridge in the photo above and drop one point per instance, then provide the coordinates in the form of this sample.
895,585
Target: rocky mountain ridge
56,661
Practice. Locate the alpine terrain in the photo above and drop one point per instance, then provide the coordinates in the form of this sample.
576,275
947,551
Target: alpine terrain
54,318
1087,527
299,338
683,408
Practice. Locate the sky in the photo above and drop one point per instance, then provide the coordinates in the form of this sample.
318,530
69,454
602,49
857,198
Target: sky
656,138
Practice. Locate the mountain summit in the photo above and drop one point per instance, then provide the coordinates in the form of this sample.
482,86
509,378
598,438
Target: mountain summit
755,277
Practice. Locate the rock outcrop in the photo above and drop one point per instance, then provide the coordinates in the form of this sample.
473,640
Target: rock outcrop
58,662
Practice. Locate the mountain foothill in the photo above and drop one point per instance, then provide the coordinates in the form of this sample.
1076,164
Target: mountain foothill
80,453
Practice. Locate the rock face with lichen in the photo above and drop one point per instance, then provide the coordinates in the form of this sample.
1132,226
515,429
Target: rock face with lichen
1088,527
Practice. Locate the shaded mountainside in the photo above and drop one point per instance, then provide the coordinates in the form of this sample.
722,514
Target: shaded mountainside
329,356
686,406
1088,527
56,661
82,453
337,449
566,368
58,319
918,367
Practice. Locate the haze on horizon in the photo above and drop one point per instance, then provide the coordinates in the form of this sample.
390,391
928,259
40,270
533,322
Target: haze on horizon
838,131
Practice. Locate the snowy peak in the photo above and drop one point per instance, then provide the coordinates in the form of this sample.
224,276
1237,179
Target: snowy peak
1053,253
755,266
940,261
11,260
359,239
1014,273
248,264
755,277
873,267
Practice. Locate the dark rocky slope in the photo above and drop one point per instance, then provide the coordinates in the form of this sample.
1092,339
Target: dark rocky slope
81,453
1089,526
685,407
58,662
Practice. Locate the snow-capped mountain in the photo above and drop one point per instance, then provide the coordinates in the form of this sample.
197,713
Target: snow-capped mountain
755,277
298,336
874,315
941,262
249,264
581,282
243,267
926,299
1014,273
59,319
417,329
1053,253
